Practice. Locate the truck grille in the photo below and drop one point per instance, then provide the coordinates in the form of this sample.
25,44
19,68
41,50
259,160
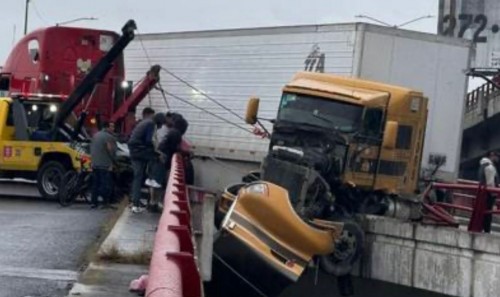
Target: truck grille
287,175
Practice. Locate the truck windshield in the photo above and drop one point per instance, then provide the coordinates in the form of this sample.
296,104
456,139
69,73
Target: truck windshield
317,111
40,115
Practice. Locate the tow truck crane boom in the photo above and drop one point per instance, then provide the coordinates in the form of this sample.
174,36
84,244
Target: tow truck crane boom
96,75
140,91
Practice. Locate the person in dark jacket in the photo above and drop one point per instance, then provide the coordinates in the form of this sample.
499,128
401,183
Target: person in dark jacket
179,122
141,149
170,145
182,125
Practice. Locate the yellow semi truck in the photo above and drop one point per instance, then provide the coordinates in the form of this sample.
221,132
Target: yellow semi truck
343,146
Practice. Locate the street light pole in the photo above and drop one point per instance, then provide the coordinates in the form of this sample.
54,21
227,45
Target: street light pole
394,26
415,20
26,17
362,16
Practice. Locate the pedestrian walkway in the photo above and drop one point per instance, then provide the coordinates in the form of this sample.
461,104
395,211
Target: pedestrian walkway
123,256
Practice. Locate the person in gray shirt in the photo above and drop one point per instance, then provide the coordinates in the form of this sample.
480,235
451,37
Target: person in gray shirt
103,153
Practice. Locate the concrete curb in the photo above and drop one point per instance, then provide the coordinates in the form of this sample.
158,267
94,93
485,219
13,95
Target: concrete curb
131,233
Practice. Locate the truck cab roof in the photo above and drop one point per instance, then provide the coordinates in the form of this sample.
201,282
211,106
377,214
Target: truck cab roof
354,91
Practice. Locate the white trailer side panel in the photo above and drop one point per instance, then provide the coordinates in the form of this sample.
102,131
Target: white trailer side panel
230,66
437,68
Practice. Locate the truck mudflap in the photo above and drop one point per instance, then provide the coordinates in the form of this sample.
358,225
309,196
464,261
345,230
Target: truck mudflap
263,246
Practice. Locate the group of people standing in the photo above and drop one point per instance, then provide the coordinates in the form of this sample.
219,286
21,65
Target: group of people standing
152,144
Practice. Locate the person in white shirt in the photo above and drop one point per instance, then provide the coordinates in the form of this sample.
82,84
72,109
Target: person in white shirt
488,177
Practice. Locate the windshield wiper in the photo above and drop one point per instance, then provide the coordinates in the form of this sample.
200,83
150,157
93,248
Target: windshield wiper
317,115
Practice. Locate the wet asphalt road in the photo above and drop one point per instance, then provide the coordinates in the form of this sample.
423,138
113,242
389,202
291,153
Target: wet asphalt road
42,245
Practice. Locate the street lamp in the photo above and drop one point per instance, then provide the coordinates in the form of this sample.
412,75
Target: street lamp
76,20
26,17
394,26
362,16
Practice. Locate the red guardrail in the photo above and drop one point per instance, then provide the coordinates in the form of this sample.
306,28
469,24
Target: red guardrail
466,196
173,271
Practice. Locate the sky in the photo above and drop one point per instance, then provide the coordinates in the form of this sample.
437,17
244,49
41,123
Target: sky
191,15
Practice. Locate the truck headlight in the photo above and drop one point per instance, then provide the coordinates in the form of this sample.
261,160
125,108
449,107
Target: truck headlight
125,84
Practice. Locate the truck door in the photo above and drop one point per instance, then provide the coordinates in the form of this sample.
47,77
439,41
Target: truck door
18,152
363,155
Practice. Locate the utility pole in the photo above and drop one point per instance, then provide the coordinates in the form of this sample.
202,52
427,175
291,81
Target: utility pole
26,17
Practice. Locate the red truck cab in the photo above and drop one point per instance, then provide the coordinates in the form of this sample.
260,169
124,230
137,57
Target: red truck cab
54,60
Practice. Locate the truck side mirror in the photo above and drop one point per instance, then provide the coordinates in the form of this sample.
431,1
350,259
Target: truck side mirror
252,110
390,135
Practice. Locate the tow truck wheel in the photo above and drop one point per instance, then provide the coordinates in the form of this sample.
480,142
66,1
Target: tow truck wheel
49,178
348,249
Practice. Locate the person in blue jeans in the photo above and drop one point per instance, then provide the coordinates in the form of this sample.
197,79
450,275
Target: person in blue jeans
103,153
142,150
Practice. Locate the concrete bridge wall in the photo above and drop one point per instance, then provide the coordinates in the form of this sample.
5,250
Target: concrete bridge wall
438,259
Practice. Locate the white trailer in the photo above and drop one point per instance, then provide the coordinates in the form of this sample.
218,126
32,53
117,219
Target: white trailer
232,65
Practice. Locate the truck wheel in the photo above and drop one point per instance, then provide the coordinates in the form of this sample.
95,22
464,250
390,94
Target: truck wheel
348,249
49,178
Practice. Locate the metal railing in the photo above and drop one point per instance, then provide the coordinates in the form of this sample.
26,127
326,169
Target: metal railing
173,271
467,198
474,98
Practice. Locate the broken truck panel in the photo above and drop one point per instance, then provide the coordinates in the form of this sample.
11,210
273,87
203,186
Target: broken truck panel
265,243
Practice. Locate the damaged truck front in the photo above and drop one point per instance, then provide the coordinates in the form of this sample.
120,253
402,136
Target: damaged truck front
341,147
357,142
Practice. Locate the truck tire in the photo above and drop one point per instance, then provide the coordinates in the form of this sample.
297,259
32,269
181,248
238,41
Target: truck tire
49,178
348,250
